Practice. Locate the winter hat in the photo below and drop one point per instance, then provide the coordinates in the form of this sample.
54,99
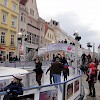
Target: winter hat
18,77
57,59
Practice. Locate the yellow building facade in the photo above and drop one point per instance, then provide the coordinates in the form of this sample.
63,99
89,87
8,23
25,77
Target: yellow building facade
8,28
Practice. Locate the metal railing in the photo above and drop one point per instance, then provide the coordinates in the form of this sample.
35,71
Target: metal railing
22,64
37,91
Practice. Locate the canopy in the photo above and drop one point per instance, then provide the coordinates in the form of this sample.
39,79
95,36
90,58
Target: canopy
58,47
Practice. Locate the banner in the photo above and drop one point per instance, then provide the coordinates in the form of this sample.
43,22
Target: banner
76,86
48,95
58,47
69,90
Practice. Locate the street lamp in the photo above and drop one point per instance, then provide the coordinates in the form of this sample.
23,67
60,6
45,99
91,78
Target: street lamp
77,38
89,46
53,42
21,40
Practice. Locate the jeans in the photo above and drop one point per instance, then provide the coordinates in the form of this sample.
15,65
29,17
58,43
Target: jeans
57,79
91,88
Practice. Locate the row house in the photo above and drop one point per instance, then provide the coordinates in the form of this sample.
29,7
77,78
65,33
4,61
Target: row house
8,28
32,28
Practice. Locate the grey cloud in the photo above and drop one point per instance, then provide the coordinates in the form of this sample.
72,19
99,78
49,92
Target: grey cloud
71,22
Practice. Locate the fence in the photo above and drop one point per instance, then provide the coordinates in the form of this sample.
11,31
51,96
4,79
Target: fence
72,90
22,64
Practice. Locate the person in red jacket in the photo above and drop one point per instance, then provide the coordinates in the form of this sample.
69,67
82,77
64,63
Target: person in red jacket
92,71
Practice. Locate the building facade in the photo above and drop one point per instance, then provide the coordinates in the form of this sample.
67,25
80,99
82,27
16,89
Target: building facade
32,28
8,28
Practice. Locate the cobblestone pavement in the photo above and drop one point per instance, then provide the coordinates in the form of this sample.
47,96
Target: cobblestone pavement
97,87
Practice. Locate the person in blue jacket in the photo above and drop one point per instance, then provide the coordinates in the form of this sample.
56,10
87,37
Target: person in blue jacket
14,88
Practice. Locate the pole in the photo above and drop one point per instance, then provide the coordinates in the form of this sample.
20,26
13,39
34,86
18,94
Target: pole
93,50
18,45
76,53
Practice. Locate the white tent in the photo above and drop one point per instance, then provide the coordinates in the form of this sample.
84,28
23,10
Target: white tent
58,47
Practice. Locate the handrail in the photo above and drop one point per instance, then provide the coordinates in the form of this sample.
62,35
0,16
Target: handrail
20,74
34,87
38,87
25,73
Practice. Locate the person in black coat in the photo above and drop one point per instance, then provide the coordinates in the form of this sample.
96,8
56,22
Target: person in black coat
63,60
14,88
51,75
38,70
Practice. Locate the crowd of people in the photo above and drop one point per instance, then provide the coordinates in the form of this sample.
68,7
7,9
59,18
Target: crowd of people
91,70
59,64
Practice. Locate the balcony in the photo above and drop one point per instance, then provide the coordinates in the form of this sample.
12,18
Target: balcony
12,45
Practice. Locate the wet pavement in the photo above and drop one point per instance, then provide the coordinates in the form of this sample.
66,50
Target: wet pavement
97,87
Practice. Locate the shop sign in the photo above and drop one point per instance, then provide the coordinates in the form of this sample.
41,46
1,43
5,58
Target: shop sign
1,48
12,49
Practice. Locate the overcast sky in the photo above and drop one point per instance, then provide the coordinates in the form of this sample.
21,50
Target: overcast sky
74,15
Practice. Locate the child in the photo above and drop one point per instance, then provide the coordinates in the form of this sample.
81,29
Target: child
66,71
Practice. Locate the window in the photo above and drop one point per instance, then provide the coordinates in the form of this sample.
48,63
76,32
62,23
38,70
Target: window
5,2
4,17
3,37
13,23
41,40
22,17
52,37
14,7
48,34
29,38
31,12
33,38
12,39
37,40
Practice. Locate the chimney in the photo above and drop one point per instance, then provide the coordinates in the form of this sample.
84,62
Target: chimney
23,2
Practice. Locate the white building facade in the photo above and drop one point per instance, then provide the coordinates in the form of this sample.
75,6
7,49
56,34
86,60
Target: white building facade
32,28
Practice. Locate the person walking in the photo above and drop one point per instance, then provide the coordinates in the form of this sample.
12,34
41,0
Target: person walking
92,71
66,71
14,88
56,69
83,57
51,75
38,70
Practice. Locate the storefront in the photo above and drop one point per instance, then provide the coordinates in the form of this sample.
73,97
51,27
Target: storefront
2,54
6,53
